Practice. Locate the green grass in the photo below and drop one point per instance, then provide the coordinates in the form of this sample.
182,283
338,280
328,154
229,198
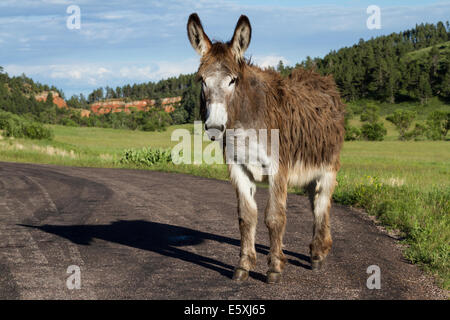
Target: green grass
424,164
405,184
113,140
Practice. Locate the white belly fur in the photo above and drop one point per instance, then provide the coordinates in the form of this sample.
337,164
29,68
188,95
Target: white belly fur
300,175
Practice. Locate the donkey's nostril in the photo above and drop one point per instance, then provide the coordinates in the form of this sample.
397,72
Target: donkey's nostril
222,128
206,126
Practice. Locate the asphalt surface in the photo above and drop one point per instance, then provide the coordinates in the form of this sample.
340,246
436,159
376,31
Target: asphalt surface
149,235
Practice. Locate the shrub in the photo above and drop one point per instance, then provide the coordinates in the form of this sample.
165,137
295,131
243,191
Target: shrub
370,113
402,120
146,156
151,125
373,131
352,133
35,130
418,133
179,116
18,127
68,122
438,124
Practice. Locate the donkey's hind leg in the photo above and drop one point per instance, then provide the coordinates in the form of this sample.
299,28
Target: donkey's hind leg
320,196
248,216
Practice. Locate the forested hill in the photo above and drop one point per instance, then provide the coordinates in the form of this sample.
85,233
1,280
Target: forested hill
410,65
17,94
184,85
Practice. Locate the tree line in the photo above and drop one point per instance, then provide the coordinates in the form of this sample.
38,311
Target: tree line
185,85
17,97
409,65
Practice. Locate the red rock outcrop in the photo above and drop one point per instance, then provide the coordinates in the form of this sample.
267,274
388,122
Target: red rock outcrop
118,105
85,113
113,105
56,98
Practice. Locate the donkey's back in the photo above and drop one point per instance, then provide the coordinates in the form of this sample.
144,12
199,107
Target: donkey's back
312,120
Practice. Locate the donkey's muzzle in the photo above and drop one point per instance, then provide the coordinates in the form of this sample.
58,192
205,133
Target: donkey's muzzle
220,128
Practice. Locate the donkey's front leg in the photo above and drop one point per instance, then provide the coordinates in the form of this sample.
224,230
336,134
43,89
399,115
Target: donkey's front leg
275,219
248,216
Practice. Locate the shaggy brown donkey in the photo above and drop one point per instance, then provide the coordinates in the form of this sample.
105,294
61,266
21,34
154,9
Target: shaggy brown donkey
307,111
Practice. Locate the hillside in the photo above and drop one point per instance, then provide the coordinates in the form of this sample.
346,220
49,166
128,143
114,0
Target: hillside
393,68
412,66
443,48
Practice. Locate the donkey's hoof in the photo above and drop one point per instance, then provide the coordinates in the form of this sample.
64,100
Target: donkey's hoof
316,265
240,274
273,277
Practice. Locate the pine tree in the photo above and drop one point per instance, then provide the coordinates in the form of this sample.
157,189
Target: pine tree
425,91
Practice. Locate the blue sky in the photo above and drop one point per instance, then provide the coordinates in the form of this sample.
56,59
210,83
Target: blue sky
134,41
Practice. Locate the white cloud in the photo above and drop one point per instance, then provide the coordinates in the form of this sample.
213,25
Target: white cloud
60,71
105,74
72,72
269,61
158,70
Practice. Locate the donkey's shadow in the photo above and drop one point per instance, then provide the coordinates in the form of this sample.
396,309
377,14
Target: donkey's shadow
164,239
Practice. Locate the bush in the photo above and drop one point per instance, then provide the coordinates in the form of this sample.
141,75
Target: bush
373,131
150,126
68,122
18,127
370,113
438,124
146,156
179,116
352,133
418,133
402,120
35,130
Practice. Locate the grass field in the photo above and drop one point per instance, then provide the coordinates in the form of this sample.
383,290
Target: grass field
405,184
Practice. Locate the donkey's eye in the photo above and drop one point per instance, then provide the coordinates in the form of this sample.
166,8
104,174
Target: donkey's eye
232,81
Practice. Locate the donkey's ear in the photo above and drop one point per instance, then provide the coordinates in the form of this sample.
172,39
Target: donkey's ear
198,38
241,37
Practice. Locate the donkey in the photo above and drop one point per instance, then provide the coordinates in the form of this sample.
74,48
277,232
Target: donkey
306,109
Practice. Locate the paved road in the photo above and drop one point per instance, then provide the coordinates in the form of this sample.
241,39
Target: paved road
150,235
